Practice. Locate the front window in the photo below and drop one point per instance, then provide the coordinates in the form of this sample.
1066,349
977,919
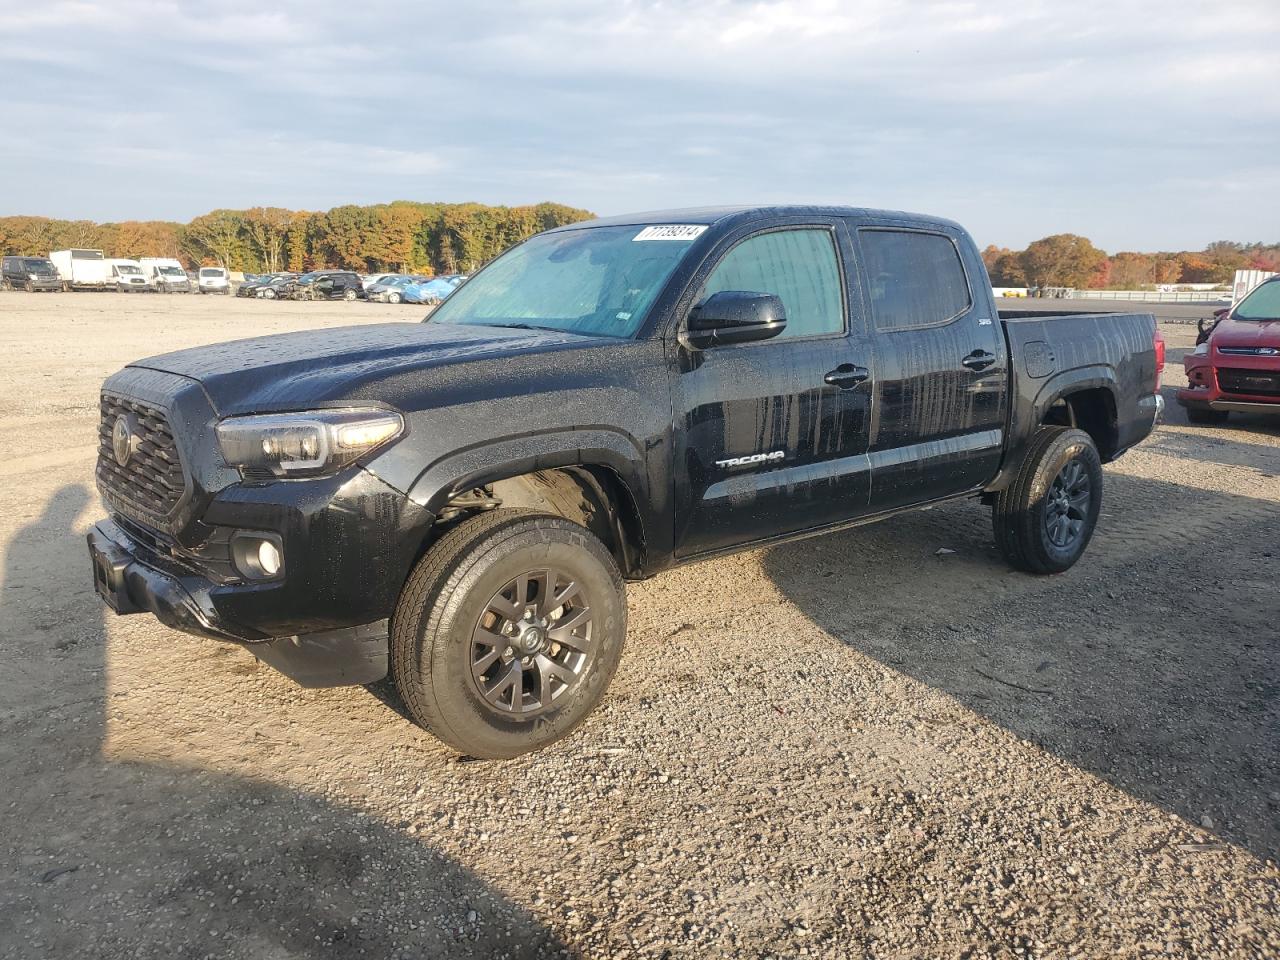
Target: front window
1262,304
596,281
799,267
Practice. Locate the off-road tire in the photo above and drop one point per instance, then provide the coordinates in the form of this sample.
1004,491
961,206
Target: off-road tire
1206,415
442,603
1019,515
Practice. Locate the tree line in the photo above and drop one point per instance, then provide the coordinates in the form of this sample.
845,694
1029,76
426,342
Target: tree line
1068,260
403,236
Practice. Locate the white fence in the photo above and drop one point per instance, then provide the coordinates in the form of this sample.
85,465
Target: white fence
1155,296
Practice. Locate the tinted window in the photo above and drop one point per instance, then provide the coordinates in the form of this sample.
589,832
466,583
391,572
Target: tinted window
799,267
915,279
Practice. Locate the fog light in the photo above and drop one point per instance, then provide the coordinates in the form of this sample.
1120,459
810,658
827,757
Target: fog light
257,556
269,558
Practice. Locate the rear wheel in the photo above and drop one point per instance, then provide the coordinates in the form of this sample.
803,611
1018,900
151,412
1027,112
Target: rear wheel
349,295
1044,519
1206,415
508,632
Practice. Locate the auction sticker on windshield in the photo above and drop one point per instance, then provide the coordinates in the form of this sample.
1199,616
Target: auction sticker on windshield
671,231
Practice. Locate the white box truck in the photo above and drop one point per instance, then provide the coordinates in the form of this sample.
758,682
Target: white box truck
1245,281
165,275
82,269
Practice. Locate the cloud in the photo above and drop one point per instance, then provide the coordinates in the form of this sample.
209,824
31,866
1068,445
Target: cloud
1018,118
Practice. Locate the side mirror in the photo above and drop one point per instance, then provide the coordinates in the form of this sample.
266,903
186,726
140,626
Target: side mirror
734,316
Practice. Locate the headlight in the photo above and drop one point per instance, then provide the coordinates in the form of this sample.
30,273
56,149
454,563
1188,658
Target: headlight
308,444
1201,350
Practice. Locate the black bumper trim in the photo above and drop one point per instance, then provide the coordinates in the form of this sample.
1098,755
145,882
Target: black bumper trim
332,658
130,579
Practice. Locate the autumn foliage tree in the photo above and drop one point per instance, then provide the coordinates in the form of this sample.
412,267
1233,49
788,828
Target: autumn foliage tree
1062,260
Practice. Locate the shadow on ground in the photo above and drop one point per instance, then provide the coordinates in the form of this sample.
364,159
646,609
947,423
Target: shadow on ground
1164,687
117,859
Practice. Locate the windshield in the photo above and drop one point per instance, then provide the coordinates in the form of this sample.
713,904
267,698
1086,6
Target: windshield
173,271
1262,304
37,264
211,272
598,280
128,268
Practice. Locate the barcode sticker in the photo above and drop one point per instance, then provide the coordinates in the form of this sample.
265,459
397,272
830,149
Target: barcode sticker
671,231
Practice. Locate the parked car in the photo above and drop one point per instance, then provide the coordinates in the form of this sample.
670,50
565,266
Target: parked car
165,275
391,289
83,269
460,501
1236,364
328,285
213,280
32,274
369,279
254,288
278,287
127,276
434,290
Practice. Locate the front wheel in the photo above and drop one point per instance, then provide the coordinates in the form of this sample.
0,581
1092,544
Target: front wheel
507,633
268,294
393,297
1045,518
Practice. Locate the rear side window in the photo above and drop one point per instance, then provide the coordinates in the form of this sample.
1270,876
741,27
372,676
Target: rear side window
915,279
797,266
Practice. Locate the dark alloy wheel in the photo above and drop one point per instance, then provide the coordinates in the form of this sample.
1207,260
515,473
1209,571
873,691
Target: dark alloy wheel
1045,517
533,643
508,631
1066,506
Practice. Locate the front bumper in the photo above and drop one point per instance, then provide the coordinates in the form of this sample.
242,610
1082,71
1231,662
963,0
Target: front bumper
348,543
130,578
45,283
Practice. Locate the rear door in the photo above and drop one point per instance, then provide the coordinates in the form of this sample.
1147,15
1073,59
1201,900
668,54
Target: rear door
770,437
941,365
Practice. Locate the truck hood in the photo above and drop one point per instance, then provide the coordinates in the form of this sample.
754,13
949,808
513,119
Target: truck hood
1247,333
290,370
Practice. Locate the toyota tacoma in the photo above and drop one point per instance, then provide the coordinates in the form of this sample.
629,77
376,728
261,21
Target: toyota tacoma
458,503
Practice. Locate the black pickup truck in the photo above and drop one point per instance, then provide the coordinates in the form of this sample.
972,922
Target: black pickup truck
459,502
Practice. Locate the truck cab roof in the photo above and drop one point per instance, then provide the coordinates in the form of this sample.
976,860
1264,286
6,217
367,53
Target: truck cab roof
729,215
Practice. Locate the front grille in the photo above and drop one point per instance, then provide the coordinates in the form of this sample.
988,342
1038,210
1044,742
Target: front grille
1248,351
1260,383
151,479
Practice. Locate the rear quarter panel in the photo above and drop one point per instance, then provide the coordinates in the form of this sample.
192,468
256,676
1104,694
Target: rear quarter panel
1055,355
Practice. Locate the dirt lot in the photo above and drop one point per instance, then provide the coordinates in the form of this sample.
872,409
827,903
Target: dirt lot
848,747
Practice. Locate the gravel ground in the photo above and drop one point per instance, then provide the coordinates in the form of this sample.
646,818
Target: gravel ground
848,747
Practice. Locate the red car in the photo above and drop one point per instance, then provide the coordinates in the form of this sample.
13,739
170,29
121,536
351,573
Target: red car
1238,366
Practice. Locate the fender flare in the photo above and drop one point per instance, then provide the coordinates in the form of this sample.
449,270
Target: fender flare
481,464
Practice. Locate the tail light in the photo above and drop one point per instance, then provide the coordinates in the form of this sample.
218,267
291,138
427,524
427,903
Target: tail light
1158,342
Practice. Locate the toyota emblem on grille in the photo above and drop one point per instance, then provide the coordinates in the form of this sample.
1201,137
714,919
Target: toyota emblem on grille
122,440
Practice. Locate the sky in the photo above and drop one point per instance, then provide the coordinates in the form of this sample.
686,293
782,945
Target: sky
1140,125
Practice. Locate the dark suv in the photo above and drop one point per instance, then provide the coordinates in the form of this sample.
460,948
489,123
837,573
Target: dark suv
329,285
30,273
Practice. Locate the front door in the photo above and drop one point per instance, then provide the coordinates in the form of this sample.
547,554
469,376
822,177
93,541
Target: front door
941,367
770,437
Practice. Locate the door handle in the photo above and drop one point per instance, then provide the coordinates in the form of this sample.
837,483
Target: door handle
847,376
979,360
